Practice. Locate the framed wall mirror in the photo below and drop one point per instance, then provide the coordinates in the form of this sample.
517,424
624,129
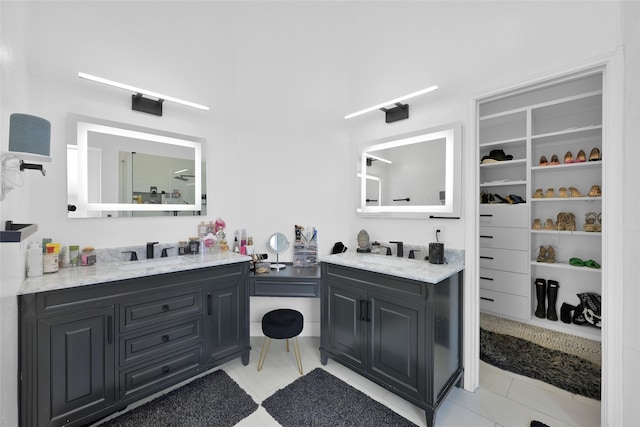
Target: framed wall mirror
122,170
414,175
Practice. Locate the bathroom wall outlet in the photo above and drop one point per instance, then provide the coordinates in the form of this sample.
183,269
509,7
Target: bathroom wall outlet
439,229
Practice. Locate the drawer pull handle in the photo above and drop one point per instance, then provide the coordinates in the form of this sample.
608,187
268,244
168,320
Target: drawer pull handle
486,215
362,316
165,307
486,237
486,278
209,303
487,299
486,257
165,369
165,338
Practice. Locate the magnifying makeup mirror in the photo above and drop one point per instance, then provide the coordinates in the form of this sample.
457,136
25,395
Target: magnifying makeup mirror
277,244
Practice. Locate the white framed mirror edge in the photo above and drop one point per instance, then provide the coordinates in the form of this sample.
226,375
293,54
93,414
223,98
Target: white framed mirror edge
453,183
79,125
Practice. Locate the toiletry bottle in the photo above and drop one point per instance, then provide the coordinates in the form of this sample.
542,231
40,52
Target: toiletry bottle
74,255
34,260
88,256
243,242
250,245
50,264
202,229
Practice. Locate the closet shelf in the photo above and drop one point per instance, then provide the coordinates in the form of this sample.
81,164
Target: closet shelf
585,165
502,183
566,199
515,162
510,142
568,233
566,266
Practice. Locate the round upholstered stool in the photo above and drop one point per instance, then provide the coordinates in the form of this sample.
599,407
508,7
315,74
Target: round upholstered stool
279,324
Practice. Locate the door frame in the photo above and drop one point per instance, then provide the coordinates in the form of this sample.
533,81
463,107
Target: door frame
612,257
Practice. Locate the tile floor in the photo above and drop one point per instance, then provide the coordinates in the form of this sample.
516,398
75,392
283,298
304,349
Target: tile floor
503,399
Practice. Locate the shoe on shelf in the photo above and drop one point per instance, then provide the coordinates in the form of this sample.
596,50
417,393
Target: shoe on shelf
554,160
551,255
542,254
594,155
560,221
568,158
563,192
575,192
590,222
538,194
581,157
577,262
548,225
514,199
543,161
537,225
599,226
570,224
591,264
550,194
595,191
501,199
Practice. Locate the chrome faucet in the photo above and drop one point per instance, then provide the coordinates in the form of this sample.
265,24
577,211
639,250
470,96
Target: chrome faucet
150,249
400,251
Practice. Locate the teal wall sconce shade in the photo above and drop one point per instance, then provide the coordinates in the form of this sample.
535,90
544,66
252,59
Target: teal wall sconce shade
29,135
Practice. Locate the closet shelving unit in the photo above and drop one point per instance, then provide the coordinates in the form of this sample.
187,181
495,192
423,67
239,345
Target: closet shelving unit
554,117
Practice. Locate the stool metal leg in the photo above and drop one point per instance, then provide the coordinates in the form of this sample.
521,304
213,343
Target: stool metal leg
263,353
287,344
296,351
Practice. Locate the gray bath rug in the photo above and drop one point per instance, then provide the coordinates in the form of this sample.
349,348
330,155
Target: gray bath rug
319,399
214,400
566,343
563,370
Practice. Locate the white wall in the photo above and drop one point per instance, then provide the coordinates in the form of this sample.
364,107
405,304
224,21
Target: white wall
279,77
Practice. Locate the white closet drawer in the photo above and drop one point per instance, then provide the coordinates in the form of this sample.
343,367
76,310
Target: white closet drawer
504,215
505,281
502,304
504,238
505,259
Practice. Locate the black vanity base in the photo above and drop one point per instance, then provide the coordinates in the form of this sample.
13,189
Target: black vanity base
402,334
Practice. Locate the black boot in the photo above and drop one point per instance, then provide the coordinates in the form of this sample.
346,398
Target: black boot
552,296
566,312
541,293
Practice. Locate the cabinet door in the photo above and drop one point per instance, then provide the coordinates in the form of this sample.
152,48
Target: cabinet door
396,328
346,313
76,368
226,305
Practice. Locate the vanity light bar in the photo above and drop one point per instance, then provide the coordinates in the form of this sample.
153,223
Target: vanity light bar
378,158
142,91
391,102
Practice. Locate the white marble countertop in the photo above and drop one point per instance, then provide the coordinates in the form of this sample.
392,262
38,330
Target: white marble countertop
111,271
414,269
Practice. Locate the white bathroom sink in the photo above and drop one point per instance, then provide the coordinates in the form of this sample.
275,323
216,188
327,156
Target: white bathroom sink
387,261
152,263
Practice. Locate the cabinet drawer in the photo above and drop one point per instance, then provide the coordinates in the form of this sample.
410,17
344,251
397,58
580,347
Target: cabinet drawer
504,304
504,215
134,348
297,288
168,307
504,259
156,375
504,238
505,281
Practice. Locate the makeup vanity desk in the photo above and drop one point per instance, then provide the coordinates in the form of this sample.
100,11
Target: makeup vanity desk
288,282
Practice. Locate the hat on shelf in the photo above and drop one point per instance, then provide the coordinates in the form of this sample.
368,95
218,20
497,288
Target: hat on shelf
496,156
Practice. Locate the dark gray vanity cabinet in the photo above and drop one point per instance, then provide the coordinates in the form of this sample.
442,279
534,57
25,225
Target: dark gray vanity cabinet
228,329
89,351
402,334
75,356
